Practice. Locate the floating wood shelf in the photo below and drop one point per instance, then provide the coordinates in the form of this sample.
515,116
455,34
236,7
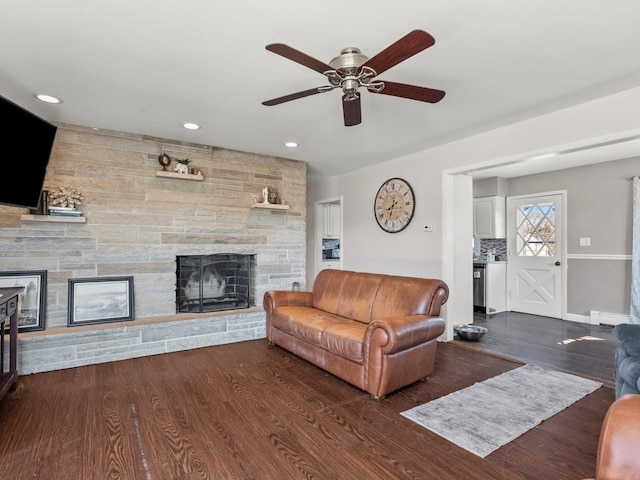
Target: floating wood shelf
53,218
270,206
180,176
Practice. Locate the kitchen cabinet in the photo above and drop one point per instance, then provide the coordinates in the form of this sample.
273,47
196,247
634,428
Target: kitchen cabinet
496,287
331,220
334,264
489,217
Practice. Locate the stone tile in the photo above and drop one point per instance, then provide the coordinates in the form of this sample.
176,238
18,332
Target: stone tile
136,225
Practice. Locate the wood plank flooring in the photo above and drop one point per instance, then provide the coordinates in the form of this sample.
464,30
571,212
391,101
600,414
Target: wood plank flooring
577,348
254,411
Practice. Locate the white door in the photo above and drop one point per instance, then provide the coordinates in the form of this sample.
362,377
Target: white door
536,256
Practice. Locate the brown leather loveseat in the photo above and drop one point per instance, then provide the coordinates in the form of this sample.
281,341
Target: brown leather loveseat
619,444
377,332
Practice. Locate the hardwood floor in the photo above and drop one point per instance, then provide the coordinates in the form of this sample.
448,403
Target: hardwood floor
577,348
254,411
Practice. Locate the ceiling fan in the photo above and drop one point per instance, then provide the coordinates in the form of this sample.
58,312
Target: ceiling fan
352,70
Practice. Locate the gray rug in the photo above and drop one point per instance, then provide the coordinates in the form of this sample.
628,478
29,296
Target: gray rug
487,415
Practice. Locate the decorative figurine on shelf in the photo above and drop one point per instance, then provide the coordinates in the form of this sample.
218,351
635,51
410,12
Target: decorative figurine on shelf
182,166
265,195
65,197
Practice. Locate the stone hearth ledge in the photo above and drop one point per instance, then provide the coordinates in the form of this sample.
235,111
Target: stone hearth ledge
57,348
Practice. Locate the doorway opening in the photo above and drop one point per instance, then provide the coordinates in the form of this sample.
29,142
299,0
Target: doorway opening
329,251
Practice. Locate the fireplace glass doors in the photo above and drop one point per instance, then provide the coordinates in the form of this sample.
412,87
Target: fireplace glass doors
210,283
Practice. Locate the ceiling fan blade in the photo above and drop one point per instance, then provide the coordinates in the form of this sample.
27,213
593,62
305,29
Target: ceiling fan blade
412,43
299,57
412,92
291,96
351,111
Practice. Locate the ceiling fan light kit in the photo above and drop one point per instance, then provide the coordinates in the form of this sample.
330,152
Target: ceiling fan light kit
352,70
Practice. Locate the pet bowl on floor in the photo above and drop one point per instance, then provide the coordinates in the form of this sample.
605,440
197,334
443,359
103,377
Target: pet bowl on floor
470,332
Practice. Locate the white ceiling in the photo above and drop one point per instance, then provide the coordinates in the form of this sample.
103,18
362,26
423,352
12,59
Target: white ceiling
147,66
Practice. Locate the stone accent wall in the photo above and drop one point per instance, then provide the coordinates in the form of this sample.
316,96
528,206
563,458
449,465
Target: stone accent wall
137,222
73,347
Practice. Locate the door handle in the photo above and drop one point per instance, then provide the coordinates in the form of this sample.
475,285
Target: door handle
557,264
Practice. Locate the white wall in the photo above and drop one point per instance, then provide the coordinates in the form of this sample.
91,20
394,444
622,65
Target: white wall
415,252
369,248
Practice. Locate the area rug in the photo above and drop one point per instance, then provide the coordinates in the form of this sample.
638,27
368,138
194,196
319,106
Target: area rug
487,415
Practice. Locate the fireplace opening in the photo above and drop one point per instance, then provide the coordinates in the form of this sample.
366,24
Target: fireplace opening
210,283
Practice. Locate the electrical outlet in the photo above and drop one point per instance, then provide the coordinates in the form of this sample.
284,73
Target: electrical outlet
585,241
428,228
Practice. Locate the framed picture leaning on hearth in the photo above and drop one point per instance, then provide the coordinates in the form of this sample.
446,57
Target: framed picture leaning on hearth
32,301
100,300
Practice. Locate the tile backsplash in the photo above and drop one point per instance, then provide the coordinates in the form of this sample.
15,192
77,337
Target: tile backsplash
484,245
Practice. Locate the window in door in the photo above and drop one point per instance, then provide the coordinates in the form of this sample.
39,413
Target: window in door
536,230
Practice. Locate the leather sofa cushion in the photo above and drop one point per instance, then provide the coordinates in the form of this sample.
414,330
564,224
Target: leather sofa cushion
364,297
336,334
345,339
335,292
306,323
401,296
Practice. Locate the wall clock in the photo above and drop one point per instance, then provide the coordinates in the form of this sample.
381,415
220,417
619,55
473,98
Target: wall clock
164,160
394,205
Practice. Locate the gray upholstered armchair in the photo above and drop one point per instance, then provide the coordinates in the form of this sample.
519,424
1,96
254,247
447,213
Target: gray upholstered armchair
627,363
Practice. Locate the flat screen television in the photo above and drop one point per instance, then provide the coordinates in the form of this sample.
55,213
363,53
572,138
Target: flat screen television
26,141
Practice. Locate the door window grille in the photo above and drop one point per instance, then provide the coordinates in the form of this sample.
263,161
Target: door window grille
536,230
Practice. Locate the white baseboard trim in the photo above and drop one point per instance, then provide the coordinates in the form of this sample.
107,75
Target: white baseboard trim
607,318
598,318
573,317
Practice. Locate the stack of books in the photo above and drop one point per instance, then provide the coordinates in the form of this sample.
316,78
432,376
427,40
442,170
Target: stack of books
65,211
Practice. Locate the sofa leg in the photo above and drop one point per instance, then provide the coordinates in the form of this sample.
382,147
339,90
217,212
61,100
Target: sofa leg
269,342
377,397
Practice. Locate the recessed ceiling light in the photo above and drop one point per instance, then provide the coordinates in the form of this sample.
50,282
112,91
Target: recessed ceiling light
191,126
47,98
291,144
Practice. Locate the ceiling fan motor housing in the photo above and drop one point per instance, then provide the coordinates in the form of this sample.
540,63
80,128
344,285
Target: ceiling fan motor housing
349,61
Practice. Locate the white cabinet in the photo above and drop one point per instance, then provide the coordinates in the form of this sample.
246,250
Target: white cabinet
496,287
489,217
331,221
335,264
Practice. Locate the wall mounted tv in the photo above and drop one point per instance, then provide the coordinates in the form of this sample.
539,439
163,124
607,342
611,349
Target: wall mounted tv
26,141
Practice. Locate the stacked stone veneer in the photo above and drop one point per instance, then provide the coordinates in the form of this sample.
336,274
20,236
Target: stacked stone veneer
136,225
118,341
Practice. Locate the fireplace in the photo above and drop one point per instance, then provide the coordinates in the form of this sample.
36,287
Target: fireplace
210,283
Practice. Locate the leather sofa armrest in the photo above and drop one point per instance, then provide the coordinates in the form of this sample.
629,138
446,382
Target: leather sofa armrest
394,334
620,440
276,298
